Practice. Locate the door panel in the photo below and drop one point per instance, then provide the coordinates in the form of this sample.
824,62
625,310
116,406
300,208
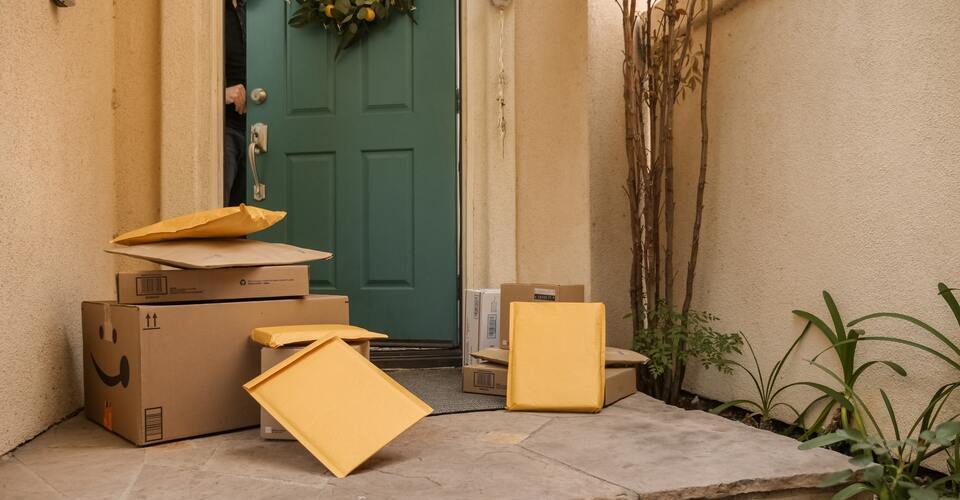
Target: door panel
362,156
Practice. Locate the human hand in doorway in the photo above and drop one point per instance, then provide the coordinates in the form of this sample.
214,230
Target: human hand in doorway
236,95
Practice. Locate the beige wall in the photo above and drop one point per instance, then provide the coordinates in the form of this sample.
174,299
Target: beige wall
834,155
572,224
57,202
81,142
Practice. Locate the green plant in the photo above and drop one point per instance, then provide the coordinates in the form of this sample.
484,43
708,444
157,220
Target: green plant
351,20
844,343
947,294
676,339
661,62
891,468
768,392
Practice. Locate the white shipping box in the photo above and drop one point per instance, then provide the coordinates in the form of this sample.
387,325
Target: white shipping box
489,320
479,305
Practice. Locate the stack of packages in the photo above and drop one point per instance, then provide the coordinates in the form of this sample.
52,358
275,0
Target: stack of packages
177,353
543,349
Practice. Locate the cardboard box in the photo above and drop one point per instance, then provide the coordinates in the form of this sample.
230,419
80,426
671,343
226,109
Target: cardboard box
489,319
470,330
220,253
481,324
204,285
269,357
532,292
490,378
155,373
485,378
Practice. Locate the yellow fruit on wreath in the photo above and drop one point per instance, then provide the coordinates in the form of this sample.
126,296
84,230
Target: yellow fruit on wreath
328,10
367,14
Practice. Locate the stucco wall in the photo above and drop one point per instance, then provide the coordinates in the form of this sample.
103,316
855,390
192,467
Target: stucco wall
834,150
137,112
609,213
81,140
56,199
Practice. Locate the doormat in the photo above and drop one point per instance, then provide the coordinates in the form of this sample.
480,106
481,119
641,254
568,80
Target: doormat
441,389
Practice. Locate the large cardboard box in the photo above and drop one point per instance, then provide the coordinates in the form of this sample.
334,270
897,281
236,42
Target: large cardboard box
269,357
532,292
481,325
202,285
154,373
491,378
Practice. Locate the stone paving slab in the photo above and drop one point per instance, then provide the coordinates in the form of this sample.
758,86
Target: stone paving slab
638,448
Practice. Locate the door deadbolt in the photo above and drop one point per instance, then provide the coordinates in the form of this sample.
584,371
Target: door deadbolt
258,95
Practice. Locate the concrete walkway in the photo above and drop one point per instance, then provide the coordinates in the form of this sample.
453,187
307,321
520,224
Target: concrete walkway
638,448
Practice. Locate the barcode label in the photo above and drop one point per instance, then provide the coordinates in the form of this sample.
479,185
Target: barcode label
491,326
476,306
544,294
153,424
483,379
151,285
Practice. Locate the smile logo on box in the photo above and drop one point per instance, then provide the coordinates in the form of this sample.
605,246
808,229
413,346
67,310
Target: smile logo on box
122,377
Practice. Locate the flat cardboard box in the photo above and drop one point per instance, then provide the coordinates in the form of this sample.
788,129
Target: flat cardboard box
613,356
270,357
218,253
207,285
490,378
155,373
532,292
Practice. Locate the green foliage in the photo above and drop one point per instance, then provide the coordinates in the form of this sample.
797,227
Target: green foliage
351,20
843,343
672,340
891,468
768,392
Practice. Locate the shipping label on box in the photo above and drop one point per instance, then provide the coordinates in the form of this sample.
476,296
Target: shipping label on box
155,373
470,330
207,285
485,378
532,292
489,335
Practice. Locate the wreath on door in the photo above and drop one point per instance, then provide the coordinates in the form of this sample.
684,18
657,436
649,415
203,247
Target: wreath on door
351,20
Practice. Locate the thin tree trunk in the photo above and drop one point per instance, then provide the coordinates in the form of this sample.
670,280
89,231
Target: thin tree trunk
702,180
667,148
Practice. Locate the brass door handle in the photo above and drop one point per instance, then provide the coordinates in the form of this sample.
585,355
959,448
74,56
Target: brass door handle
258,145
258,95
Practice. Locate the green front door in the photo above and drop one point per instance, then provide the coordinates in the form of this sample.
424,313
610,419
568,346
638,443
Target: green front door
361,153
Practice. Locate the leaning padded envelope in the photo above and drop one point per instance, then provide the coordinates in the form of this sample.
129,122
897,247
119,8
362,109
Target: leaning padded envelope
226,222
340,406
279,336
556,356
213,253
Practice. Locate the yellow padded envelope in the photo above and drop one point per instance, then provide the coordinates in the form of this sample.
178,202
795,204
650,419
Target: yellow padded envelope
556,356
226,222
336,403
278,336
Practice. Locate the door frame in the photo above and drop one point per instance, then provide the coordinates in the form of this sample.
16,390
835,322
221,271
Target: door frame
191,124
